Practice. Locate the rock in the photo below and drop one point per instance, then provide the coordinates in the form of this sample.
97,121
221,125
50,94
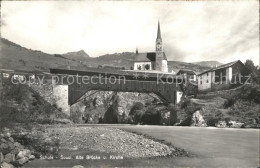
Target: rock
197,120
32,157
8,158
234,124
17,144
11,139
20,161
251,126
221,124
63,121
3,140
4,148
23,153
7,165
78,166
16,150
8,134
10,145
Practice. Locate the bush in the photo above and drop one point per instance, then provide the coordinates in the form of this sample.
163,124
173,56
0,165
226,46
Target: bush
76,116
212,121
137,117
151,117
185,102
251,92
173,114
190,89
111,115
136,106
229,102
227,119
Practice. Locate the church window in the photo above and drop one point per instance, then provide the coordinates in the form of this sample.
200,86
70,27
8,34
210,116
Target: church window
147,67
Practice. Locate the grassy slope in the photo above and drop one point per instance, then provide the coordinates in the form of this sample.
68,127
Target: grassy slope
19,103
16,57
237,105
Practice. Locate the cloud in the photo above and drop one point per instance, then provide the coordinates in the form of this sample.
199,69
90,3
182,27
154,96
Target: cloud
192,31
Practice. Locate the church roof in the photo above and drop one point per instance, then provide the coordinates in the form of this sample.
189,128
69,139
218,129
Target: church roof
147,57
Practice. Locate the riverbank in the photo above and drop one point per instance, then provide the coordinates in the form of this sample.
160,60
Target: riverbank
210,146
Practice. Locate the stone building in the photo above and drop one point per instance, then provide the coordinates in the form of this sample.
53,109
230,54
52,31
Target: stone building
223,77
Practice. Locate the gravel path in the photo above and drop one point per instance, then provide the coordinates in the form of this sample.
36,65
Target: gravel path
108,140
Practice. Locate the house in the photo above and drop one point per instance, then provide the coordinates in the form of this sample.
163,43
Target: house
223,77
156,61
188,74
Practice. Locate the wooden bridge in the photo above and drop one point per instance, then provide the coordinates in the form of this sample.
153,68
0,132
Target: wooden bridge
168,87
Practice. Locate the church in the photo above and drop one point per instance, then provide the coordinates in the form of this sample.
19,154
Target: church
153,61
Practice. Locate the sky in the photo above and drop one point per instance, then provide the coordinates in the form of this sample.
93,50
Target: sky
223,31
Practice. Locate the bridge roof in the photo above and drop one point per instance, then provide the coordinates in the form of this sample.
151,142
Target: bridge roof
128,74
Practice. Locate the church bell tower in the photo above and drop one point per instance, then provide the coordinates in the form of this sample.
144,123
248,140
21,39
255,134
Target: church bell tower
159,50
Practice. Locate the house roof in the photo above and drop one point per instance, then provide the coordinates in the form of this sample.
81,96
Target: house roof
221,67
226,65
188,71
147,57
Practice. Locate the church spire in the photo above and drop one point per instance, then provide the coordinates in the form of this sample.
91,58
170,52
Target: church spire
159,31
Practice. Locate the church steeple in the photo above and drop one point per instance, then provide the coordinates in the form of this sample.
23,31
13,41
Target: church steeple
159,32
158,44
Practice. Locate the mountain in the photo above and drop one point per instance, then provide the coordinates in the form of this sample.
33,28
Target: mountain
77,55
125,60
122,60
16,57
177,65
208,63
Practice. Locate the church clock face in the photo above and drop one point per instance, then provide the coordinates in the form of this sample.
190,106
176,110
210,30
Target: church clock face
159,47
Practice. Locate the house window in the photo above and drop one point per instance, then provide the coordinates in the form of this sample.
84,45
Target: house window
207,81
201,82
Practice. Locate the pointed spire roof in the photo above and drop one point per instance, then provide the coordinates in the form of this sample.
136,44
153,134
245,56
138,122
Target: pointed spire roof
159,31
